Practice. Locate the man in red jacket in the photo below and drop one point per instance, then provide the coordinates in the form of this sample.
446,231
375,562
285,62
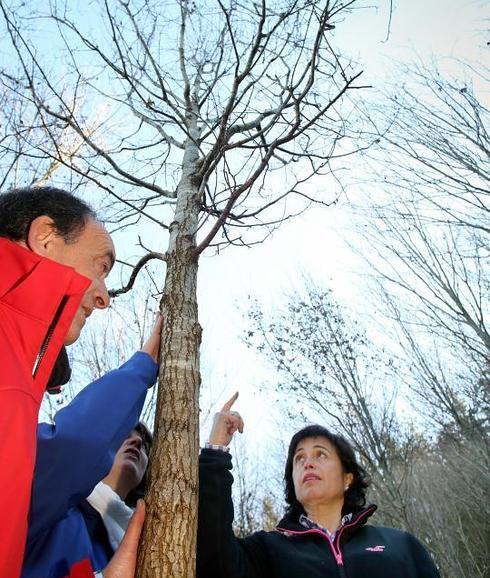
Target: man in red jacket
54,258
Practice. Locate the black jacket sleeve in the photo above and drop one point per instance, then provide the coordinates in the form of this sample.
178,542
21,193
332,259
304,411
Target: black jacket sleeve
219,553
424,564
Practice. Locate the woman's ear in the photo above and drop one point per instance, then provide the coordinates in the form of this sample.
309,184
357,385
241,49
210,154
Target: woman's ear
348,479
42,232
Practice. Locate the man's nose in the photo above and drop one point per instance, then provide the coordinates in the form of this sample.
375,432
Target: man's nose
102,299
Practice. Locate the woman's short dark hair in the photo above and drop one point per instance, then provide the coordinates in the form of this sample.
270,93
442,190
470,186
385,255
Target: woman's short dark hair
140,490
19,207
354,497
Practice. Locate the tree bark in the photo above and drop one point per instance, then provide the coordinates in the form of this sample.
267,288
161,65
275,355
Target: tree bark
173,479
247,96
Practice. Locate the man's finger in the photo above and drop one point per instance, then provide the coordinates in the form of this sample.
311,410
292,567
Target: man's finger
129,543
230,402
123,563
152,344
158,321
132,534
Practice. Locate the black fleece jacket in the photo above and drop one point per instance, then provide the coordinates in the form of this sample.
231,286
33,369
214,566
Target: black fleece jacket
292,551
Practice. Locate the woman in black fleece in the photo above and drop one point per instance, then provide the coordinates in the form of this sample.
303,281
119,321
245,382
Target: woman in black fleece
323,533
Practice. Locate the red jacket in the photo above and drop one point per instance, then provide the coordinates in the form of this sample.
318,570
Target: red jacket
33,292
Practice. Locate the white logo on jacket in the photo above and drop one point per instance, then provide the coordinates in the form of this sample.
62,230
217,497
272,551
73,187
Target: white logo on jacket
376,549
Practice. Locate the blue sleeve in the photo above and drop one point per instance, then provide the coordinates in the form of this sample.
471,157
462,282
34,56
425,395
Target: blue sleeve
75,453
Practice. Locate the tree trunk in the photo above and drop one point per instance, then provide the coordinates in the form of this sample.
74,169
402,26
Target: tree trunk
168,546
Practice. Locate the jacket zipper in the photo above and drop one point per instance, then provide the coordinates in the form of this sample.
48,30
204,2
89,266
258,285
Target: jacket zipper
337,555
49,335
334,545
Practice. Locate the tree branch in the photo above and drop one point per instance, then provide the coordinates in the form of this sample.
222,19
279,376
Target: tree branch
136,269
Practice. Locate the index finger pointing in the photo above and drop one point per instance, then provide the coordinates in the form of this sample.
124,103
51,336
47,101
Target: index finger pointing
230,402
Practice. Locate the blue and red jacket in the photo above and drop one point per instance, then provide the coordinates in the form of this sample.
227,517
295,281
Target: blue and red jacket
73,455
33,291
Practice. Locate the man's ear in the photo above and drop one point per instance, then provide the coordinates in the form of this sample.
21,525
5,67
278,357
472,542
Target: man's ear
42,233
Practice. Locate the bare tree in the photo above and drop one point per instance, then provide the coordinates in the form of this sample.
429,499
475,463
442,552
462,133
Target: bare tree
255,498
217,115
429,234
328,364
435,129
449,486
26,142
429,240
432,483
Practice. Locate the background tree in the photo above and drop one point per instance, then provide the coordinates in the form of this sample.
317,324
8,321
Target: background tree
207,121
424,217
430,233
429,481
328,365
429,230
257,500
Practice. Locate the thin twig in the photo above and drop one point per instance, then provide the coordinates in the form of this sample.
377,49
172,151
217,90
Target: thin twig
137,268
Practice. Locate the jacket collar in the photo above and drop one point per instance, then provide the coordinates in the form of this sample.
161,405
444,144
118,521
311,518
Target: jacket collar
291,522
34,290
16,262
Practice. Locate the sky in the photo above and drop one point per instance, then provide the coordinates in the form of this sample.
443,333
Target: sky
316,243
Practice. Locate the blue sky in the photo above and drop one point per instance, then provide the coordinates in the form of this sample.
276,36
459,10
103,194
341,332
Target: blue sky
317,243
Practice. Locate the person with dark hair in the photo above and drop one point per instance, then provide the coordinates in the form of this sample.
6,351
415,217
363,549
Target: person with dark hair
324,532
54,258
115,497
19,208
80,516
144,440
